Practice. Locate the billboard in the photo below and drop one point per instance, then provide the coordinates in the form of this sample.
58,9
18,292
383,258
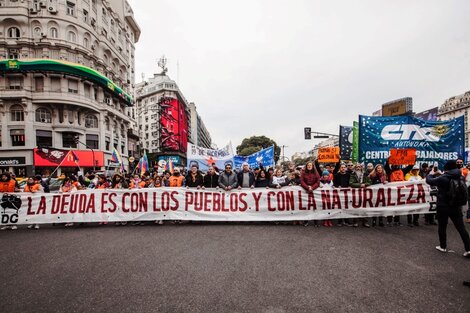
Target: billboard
428,115
435,142
398,107
174,125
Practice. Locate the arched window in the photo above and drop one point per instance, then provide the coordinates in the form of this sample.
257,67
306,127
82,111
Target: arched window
86,43
43,115
106,121
54,33
17,113
37,32
71,36
91,121
14,32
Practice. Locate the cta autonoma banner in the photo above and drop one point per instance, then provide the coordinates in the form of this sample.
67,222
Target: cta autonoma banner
289,203
435,142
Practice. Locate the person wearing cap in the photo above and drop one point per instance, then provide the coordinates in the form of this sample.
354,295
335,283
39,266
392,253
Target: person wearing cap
194,177
176,179
359,179
369,168
413,175
246,178
228,179
446,210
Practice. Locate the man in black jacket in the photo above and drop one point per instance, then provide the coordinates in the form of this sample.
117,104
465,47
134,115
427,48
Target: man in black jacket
211,179
445,210
194,178
246,178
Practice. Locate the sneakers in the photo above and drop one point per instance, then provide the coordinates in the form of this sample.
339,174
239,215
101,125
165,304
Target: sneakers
14,227
36,226
6,227
466,254
68,225
30,226
355,225
366,225
442,249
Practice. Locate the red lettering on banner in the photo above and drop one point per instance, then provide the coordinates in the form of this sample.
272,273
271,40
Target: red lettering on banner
380,198
165,201
299,197
233,202
367,200
325,200
64,202
400,195
311,201
224,209
30,206
281,204
336,203
290,206
143,202
113,208
346,197
421,194
216,198
356,198
389,198
242,201
189,199
42,206
155,207
55,204
82,204
175,201
257,198
73,203
270,194
123,202
207,201
198,201
91,204
410,196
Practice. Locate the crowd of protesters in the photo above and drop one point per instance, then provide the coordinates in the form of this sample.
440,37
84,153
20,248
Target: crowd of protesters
310,177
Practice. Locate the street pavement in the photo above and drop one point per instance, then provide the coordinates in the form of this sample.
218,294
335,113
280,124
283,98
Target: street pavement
231,267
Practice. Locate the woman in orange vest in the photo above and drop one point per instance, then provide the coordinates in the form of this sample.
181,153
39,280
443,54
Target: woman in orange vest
396,174
176,180
33,185
7,184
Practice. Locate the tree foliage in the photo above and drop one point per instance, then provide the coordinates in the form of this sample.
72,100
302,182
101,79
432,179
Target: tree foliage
256,143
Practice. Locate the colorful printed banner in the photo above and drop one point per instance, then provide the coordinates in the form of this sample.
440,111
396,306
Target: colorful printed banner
259,204
328,155
435,142
345,142
203,157
402,156
355,148
264,157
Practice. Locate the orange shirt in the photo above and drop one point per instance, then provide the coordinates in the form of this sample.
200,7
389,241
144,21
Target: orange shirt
397,176
464,171
142,184
7,186
33,188
176,181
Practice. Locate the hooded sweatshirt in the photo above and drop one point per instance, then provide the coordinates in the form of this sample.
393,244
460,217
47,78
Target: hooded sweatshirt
442,184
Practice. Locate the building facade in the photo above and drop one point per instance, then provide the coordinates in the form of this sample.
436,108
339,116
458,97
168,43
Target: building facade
199,134
67,82
454,107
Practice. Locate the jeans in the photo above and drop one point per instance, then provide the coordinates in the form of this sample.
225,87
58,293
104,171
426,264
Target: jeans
455,214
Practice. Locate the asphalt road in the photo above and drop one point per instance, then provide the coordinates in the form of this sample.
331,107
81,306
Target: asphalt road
231,268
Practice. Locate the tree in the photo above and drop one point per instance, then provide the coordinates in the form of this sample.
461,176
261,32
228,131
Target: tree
258,143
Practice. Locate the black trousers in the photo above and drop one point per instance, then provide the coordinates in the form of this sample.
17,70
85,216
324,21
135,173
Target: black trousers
455,214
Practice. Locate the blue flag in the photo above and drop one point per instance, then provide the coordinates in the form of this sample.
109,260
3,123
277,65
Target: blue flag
435,142
264,157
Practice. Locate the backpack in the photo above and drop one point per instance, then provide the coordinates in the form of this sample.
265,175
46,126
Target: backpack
457,194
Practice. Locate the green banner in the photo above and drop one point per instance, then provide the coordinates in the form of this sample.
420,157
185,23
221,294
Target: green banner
355,148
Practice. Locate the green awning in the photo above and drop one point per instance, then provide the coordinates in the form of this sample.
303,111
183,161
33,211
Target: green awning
63,67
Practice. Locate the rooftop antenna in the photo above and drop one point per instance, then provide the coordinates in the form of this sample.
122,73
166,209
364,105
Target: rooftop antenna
162,64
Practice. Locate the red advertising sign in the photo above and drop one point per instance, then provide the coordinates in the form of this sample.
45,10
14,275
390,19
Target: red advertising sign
66,159
174,122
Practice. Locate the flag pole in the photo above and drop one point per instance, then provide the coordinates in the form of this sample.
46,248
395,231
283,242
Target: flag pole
60,163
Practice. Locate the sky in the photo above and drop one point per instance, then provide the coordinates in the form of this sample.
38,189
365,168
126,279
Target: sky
271,67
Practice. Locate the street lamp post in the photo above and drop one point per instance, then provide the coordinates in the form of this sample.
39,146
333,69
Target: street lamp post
77,140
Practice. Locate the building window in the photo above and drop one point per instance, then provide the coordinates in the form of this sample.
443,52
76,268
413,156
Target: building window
39,83
69,140
85,16
15,82
92,141
106,121
71,36
87,90
17,113
70,8
17,137
108,143
13,54
86,43
43,138
14,32
54,33
37,32
91,121
123,149
73,86
43,115
55,84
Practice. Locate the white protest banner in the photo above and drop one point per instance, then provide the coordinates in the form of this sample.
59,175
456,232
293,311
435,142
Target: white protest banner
259,204
203,157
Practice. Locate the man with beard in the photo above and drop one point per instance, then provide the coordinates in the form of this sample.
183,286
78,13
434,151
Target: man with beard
176,180
211,179
194,178
359,179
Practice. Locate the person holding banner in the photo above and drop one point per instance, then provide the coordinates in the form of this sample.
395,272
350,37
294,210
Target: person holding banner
228,180
33,186
194,178
396,174
262,180
278,180
246,178
7,185
445,209
309,180
378,176
176,180
211,179
341,180
359,179
413,175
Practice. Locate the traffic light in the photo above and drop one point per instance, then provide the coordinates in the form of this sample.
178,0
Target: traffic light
308,132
